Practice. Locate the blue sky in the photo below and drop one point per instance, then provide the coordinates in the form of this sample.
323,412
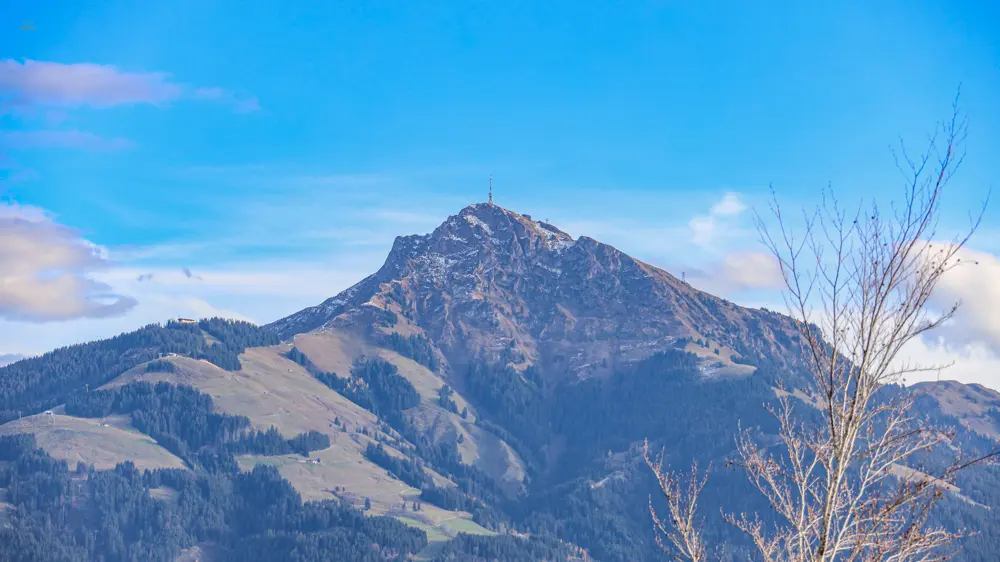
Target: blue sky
275,150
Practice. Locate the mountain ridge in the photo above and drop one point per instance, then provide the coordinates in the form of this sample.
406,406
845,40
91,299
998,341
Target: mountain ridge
489,276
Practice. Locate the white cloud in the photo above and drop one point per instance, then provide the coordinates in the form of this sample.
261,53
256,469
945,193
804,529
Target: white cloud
967,348
968,345
705,228
52,84
973,363
260,292
757,270
738,272
44,90
729,205
29,85
239,103
175,306
46,271
975,284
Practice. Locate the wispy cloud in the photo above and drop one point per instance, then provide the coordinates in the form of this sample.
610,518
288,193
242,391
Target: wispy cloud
967,347
706,238
276,278
29,85
52,84
47,90
239,103
259,291
738,271
298,223
62,139
730,205
975,285
704,228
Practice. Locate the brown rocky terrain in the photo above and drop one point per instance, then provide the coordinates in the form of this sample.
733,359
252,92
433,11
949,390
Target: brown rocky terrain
489,281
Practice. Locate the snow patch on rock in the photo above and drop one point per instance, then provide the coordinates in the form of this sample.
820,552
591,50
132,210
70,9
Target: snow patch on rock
550,269
475,221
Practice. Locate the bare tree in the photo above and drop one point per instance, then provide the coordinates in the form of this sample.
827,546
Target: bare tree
679,536
857,287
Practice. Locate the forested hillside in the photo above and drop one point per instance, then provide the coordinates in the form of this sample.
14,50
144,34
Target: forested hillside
54,513
85,515
184,421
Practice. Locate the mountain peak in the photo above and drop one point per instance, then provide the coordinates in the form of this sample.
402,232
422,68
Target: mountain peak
492,282
496,217
480,237
485,209
491,211
484,227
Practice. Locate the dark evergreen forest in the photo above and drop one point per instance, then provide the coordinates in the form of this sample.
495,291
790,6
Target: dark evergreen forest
88,515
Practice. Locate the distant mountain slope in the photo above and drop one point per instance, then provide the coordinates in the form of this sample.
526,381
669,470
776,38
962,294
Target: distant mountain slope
974,405
102,443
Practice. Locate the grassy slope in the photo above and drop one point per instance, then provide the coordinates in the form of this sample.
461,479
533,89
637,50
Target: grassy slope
968,403
335,351
272,390
103,443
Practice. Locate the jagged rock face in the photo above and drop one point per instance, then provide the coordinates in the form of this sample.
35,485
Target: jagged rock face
489,280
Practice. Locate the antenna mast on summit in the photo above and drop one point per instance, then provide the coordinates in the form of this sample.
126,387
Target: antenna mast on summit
491,189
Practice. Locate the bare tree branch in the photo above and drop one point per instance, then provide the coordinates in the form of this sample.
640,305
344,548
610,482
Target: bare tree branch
857,287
